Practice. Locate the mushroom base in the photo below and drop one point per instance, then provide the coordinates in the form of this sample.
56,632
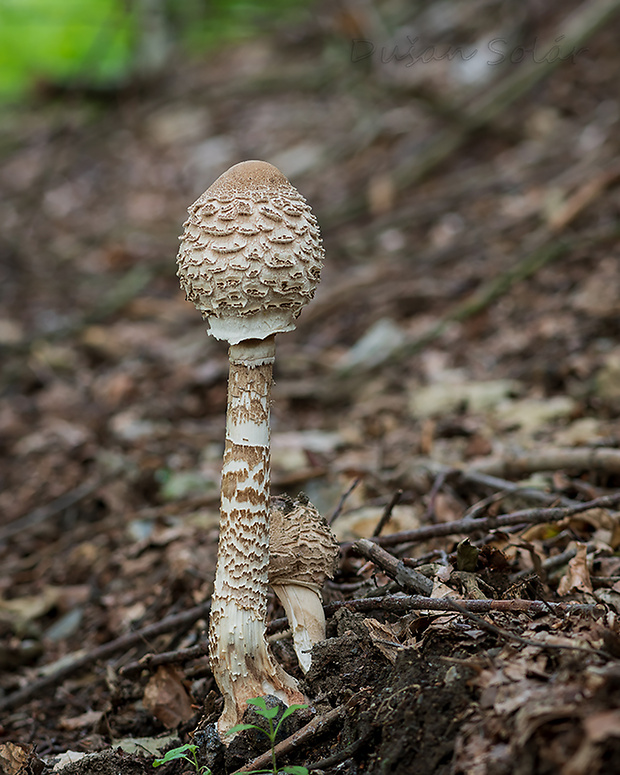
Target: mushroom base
244,668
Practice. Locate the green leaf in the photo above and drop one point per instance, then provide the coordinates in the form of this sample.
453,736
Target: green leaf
175,753
269,713
259,702
292,770
242,727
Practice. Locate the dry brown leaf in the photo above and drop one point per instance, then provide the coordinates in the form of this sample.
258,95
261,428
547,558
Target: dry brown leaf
19,759
577,576
384,638
166,698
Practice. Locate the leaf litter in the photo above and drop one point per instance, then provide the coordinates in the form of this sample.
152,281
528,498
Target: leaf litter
462,350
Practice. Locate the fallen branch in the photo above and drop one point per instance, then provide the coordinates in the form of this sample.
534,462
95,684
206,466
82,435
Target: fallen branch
467,525
169,624
408,578
151,661
399,604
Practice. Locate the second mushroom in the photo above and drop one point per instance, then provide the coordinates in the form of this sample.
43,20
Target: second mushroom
250,258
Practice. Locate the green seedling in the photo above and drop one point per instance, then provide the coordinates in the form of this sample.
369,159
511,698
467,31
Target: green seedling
272,733
187,752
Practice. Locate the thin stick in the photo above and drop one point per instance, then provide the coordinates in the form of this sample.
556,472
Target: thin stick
467,526
151,661
55,507
399,604
603,459
169,624
387,513
343,498
408,578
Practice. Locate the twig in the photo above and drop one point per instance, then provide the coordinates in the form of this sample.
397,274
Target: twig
179,657
440,480
466,526
310,730
104,651
343,498
408,578
387,512
399,604
481,298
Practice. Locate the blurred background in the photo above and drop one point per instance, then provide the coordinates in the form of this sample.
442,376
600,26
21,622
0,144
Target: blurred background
463,162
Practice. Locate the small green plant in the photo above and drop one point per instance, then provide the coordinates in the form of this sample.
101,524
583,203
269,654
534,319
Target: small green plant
272,733
187,752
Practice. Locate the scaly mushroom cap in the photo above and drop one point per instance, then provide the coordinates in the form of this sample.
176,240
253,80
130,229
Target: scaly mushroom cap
302,548
251,253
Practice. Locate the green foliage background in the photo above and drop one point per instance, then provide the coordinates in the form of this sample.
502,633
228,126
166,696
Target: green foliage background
94,42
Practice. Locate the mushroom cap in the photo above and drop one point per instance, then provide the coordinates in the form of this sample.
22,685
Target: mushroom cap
302,548
251,253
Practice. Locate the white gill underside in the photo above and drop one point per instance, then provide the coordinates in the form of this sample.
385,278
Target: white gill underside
241,663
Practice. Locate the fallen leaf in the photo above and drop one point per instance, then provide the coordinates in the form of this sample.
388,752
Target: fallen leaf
166,698
19,760
577,576
383,638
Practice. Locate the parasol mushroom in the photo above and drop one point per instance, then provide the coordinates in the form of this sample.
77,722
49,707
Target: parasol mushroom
303,553
250,258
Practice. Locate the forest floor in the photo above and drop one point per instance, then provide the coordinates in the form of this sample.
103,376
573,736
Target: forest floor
454,386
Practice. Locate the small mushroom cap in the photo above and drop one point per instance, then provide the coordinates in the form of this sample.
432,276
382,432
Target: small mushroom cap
251,253
302,548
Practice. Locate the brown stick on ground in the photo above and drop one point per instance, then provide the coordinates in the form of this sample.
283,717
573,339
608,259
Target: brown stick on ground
408,578
466,526
399,604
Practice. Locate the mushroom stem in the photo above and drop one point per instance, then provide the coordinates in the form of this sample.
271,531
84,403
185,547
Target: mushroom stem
303,606
240,661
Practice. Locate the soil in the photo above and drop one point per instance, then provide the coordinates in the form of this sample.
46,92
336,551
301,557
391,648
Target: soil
459,364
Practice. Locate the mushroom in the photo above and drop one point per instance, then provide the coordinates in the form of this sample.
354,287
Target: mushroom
303,553
250,258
